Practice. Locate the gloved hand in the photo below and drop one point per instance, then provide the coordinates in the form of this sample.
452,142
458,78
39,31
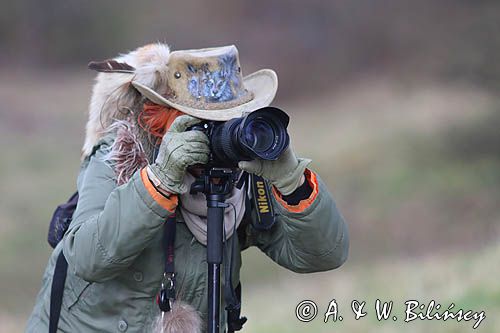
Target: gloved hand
286,173
178,150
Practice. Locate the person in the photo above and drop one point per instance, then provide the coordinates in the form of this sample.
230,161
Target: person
138,165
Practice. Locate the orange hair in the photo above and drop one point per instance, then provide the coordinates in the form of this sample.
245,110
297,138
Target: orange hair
156,119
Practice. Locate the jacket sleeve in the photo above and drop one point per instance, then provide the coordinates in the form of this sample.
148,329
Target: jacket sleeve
309,237
112,224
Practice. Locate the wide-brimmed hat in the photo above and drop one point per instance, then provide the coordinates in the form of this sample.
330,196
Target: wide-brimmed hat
205,83
208,84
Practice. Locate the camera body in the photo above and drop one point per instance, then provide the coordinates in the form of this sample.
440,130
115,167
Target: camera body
261,134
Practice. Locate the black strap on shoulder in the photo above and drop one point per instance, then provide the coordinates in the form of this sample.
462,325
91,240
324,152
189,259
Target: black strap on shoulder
56,292
58,225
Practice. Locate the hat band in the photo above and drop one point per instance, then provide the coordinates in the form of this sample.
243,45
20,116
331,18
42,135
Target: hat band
246,97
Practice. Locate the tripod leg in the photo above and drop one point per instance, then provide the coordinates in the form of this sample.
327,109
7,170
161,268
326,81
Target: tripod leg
215,221
213,298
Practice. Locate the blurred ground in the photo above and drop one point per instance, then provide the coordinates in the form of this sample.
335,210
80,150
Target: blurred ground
413,167
469,280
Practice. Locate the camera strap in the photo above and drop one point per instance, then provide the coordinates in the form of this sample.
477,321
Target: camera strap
232,295
166,296
261,200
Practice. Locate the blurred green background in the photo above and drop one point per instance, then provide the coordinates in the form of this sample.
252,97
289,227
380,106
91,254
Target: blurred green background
396,101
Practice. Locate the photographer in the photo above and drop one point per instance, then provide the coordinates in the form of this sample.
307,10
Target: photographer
140,161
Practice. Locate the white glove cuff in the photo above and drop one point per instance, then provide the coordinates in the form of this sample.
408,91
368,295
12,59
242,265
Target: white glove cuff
291,181
173,188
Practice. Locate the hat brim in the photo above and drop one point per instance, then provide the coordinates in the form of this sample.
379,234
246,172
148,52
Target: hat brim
263,84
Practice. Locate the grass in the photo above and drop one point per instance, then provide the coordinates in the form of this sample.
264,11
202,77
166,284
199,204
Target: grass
469,280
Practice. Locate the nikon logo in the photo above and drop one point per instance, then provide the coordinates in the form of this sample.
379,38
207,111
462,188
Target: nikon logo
262,198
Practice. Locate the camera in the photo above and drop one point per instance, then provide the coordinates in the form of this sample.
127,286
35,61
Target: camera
261,134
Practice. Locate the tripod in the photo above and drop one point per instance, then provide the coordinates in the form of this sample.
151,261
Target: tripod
215,183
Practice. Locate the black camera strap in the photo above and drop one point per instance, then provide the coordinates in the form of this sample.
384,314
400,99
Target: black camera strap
166,297
232,295
261,199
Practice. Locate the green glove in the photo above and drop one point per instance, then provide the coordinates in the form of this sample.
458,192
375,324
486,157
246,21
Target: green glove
178,150
285,173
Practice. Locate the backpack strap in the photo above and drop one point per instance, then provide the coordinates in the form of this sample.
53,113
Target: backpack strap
61,220
56,292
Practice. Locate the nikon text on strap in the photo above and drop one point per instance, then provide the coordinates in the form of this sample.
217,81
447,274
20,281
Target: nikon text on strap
261,199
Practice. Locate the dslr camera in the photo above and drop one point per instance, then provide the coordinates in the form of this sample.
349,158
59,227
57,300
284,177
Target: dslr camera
261,134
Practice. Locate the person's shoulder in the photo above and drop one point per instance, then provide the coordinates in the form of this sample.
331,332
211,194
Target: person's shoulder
103,146
99,150
98,157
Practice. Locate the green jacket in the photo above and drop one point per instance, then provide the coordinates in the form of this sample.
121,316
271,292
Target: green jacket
113,248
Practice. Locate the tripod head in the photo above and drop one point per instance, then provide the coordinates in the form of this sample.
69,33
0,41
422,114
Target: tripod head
215,181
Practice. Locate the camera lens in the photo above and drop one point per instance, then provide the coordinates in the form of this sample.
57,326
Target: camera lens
263,134
259,135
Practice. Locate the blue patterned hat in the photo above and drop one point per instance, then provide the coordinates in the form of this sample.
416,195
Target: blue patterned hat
208,84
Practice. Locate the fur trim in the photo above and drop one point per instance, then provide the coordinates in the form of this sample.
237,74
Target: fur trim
126,154
183,318
113,93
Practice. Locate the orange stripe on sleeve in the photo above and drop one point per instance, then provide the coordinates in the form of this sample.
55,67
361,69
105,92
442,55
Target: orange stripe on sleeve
169,203
303,204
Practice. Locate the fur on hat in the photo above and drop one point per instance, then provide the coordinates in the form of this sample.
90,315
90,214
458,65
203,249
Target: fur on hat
113,94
